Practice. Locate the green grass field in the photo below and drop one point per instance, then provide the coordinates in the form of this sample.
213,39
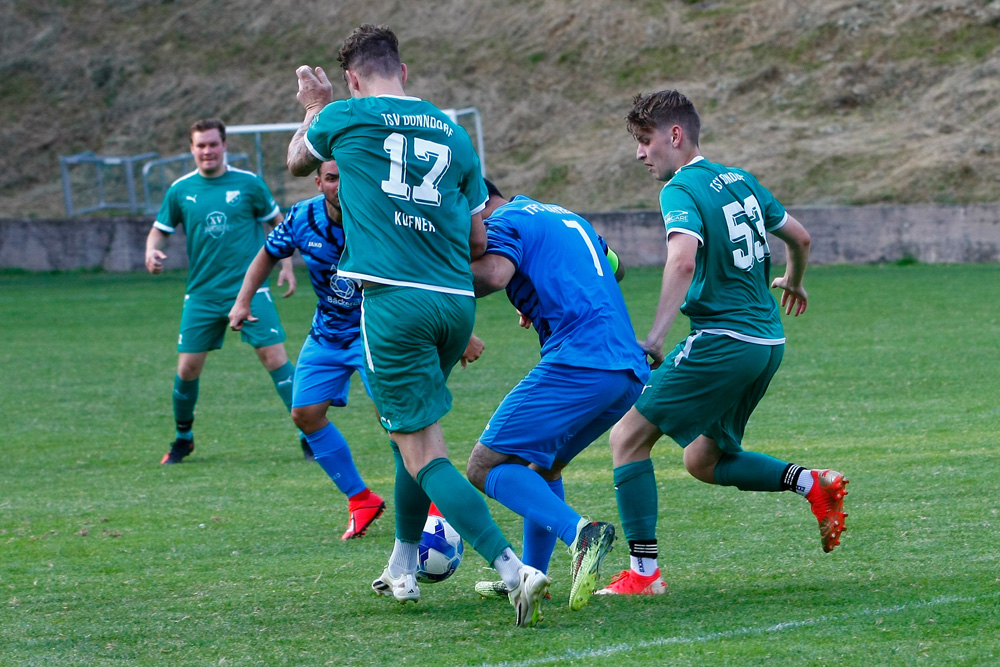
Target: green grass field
234,557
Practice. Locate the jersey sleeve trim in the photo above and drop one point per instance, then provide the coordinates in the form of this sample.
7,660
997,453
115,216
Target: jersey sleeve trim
480,207
312,149
501,252
780,224
164,228
681,230
275,211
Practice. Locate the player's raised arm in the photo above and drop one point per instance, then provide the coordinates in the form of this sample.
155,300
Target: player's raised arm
797,241
315,92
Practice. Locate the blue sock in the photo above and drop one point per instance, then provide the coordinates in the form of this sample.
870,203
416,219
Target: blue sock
334,456
750,471
538,542
523,490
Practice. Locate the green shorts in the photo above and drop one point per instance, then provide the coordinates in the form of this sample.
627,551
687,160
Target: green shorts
413,338
204,323
709,385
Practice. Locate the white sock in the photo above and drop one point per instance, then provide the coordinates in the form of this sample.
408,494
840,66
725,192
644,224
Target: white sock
643,566
804,484
508,566
403,558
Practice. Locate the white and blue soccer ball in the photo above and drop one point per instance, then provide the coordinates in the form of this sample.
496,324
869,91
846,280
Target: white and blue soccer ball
440,551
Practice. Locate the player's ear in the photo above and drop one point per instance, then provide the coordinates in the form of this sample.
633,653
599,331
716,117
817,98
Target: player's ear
402,67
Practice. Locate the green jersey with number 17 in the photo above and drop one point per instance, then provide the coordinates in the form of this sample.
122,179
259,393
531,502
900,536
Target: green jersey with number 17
410,182
222,219
729,213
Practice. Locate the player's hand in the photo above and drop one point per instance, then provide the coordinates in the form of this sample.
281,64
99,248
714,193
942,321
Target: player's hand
473,350
523,320
654,351
287,275
793,297
315,89
154,260
239,314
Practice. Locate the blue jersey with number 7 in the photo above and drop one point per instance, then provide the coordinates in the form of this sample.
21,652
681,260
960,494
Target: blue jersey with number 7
564,283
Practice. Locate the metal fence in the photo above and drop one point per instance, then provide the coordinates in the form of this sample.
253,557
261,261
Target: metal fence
94,182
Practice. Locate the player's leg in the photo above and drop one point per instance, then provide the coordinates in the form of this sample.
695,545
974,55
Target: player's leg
201,330
267,337
632,440
408,376
322,379
738,380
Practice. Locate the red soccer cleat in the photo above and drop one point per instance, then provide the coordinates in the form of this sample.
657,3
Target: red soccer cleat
363,514
827,500
628,582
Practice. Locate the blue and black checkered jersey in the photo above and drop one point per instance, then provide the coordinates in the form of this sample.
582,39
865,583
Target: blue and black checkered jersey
308,229
564,283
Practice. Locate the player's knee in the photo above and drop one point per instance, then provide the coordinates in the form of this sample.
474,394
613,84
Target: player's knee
308,419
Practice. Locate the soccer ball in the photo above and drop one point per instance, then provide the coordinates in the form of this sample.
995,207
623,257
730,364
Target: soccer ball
440,551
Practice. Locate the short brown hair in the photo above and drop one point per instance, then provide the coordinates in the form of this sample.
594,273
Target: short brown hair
206,124
371,50
651,111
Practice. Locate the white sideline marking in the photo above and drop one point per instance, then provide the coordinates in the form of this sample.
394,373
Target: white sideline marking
740,632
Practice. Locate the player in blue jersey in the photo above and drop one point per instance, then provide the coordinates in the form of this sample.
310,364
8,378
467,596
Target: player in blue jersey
332,351
412,191
222,210
703,392
557,274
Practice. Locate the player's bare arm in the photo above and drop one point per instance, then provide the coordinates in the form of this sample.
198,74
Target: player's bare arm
155,243
682,250
258,271
794,299
491,273
315,92
477,237
286,275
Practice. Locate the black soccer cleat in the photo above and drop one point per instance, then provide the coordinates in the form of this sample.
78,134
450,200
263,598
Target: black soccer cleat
307,451
178,450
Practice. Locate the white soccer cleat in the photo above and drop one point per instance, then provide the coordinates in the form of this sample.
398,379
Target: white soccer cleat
532,585
404,587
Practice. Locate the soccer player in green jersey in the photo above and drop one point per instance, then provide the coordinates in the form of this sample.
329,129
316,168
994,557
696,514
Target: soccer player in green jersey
411,192
222,210
702,393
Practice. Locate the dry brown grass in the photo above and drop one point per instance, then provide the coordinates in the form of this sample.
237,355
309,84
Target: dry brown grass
837,102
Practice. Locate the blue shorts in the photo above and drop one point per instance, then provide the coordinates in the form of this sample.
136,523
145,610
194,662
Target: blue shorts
324,373
556,411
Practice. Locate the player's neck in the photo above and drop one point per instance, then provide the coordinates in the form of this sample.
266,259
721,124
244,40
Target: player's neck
334,214
381,86
215,173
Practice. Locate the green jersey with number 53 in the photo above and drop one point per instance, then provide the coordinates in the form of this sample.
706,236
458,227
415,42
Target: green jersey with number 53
410,182
729,213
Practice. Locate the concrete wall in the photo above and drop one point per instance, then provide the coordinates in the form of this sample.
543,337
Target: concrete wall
841,235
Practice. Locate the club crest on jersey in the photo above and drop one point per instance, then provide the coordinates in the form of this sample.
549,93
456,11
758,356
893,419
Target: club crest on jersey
675,216
232,196
344,288
215,224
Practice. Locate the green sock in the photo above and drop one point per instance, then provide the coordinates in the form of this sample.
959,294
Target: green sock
282,378
750,471
411,503
185,397
464,507
638,503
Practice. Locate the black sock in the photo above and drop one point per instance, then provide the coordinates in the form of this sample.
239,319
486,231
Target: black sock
643,549
790,477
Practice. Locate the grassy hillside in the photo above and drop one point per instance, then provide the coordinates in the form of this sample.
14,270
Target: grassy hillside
856,101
